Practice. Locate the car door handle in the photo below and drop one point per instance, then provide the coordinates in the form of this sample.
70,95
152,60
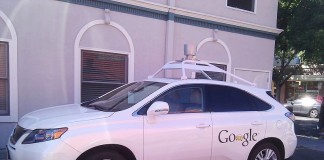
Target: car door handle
203,126
257,123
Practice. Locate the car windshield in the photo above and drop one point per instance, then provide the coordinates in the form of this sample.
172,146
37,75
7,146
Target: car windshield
124,97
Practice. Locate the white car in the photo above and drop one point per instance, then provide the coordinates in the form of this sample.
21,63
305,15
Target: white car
161,119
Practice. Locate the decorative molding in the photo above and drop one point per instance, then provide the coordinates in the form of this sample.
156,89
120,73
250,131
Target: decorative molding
162,12
77,55
122,7
107,16
104,50
13,70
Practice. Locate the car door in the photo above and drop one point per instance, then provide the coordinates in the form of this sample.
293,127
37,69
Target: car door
185,132
237,127
297,106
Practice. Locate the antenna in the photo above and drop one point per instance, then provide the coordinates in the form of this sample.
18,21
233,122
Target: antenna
190,52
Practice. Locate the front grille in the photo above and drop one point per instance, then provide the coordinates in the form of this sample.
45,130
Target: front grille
18,132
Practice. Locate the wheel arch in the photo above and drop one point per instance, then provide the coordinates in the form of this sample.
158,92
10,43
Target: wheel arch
112,147
275,141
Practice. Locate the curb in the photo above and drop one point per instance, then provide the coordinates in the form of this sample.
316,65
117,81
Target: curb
3,154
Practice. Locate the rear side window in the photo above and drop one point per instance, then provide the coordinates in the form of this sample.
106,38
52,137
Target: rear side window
230,99
269,93
260,105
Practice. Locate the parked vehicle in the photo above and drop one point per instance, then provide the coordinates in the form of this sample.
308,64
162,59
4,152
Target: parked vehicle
161,118
305,106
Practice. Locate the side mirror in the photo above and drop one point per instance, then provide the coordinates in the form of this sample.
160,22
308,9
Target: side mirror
158,108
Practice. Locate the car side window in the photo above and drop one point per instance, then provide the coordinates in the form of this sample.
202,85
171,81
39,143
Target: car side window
230,99
260,105
183,100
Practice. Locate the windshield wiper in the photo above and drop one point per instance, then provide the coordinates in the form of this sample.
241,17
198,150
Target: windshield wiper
86,103
97,107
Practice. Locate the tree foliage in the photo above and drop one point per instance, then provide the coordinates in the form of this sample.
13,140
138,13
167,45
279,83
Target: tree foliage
302,22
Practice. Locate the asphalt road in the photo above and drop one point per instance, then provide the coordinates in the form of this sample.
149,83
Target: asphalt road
307,154
307,127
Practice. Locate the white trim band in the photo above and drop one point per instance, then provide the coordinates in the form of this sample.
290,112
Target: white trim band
199,15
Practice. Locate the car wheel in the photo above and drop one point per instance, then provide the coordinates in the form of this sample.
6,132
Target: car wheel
105,155
266,151
313,113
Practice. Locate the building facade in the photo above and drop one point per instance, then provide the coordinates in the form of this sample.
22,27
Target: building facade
56,52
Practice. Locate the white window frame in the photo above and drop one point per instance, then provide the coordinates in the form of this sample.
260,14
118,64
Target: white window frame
103,51
219,63
256,70
243,10
224,45
77,54
13,82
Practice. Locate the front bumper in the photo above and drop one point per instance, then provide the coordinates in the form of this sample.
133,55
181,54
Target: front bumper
50,150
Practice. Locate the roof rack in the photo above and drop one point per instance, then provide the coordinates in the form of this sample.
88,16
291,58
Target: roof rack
199,66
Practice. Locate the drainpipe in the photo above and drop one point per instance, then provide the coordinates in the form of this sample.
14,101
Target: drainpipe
170,33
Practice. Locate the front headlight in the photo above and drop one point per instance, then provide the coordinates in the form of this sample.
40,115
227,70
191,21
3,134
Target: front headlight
42,135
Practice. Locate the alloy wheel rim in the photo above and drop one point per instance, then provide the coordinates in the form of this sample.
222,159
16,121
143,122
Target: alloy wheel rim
266,154
313,113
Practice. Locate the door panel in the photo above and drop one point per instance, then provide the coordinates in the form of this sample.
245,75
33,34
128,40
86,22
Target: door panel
181,136
185,132
236,132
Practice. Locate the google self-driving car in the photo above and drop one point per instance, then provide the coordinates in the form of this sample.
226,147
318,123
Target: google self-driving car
161,119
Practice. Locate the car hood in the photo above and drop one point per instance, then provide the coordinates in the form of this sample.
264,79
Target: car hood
59,115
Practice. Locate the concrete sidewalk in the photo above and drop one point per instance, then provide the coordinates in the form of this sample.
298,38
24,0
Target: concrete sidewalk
302,143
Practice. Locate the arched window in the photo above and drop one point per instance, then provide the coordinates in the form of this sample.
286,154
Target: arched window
8,71
4,78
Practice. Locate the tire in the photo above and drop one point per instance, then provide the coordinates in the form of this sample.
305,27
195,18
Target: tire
265,150
105,155
313,113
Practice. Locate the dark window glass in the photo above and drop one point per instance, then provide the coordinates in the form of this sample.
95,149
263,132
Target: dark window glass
4,79
260,105
269,93
214,75
101,73
180,100
124,97
185,100
242,4
230,99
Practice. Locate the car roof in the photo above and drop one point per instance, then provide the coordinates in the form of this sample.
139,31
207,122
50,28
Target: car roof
206,81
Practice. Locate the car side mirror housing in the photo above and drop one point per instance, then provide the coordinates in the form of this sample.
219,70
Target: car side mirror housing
158,108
